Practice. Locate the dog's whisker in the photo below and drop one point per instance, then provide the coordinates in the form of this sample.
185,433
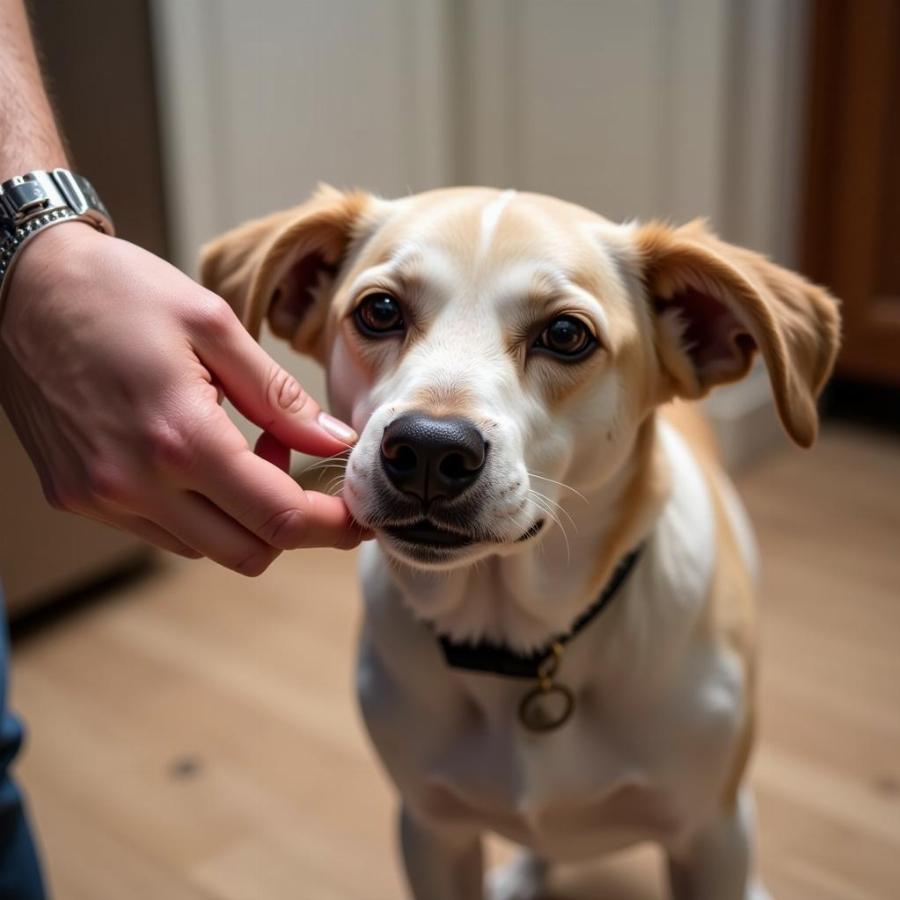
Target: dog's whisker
340,470
324,470
553,505
340,455
560,508
542,503
328,462
561,484
335,486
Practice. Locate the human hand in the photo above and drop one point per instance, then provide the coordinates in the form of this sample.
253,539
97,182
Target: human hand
111,365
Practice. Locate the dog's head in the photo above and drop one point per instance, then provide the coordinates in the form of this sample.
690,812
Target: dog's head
489,345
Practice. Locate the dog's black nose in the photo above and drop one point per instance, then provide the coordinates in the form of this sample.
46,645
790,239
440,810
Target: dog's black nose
430,457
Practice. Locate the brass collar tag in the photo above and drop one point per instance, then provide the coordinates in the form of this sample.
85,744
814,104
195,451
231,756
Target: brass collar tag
548,705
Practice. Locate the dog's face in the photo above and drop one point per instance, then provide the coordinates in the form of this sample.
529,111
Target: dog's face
492,347
484,346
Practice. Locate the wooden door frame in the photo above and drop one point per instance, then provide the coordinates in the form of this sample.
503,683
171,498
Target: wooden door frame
852,63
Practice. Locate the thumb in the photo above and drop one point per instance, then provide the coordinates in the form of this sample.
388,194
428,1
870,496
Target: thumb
270,396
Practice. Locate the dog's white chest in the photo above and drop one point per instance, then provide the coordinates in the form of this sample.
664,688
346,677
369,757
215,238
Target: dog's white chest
606,779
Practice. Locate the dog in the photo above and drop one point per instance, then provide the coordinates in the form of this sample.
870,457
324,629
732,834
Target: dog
559,638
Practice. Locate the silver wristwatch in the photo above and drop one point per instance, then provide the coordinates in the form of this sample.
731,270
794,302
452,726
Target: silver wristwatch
37,200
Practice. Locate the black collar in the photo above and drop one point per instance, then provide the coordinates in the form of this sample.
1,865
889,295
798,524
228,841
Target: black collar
497,659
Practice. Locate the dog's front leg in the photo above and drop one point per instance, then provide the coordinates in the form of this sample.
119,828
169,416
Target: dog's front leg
441,863
718,862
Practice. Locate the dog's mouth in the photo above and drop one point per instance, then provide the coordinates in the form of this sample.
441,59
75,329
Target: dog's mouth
427,535
534,530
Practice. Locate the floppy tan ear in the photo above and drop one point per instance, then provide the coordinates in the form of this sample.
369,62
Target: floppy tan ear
717,304
283,266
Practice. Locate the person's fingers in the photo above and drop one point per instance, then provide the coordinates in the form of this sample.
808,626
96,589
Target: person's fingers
269,448
268,395
149,532
196,522
270,504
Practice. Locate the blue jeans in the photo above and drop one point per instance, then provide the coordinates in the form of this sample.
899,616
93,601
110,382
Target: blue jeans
20,872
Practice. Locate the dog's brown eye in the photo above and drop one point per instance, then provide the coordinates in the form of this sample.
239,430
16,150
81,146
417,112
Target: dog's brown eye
378,314
568,337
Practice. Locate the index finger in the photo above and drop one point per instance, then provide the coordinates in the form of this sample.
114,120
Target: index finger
268,395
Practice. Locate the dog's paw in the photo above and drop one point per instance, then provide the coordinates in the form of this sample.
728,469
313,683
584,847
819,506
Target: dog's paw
525,878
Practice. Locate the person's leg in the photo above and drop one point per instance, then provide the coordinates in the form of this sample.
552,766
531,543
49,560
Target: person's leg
20,872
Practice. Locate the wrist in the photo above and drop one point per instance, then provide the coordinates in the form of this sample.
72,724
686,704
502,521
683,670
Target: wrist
54,255
53,249
39,200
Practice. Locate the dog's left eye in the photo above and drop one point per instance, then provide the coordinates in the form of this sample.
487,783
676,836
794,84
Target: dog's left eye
378,315
568,337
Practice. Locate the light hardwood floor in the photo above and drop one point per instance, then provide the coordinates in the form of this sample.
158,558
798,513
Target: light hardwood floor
195,735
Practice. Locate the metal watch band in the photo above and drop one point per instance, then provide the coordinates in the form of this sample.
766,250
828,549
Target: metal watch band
37,200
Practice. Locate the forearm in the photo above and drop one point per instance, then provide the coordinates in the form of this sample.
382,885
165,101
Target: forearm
29,138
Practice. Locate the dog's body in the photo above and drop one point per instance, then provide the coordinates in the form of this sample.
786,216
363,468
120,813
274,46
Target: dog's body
463,404
657,742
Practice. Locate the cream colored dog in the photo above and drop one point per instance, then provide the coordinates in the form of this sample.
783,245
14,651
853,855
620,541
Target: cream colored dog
504,358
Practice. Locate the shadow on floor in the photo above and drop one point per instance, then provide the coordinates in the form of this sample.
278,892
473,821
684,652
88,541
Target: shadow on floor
51,612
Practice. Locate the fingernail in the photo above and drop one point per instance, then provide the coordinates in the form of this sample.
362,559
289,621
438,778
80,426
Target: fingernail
337,429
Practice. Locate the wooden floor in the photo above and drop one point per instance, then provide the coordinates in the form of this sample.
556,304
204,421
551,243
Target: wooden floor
195,735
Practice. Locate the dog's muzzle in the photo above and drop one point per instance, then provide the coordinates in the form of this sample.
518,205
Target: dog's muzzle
434,486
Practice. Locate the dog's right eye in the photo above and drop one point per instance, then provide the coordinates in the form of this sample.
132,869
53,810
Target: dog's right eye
378,315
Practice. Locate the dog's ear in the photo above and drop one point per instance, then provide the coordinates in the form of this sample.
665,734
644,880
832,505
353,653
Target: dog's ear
715,305
282,267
